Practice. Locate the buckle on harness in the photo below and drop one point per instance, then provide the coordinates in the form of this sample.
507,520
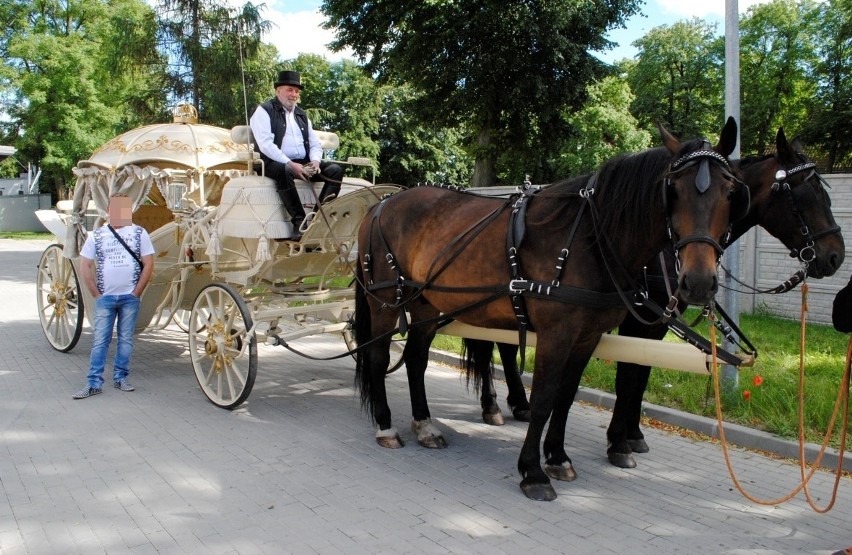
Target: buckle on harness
514,288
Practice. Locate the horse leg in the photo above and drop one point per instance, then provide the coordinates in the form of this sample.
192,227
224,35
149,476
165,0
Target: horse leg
624,436
557,463
416,356
547,377
479,364
517,397
627,379
379,360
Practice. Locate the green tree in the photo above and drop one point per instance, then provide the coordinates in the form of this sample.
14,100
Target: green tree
777,50
207,43
413,152
603,128
678,79
341,97
827,128
501,69
60,99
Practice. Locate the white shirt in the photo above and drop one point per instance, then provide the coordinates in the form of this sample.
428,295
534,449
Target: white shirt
117,272
293,147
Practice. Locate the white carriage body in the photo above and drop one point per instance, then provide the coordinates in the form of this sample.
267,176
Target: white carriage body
214,219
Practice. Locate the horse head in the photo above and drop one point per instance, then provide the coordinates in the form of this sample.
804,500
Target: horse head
791,202
702,195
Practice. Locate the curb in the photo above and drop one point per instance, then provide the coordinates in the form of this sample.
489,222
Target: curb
735,434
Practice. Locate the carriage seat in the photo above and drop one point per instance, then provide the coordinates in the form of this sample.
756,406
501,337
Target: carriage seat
242,134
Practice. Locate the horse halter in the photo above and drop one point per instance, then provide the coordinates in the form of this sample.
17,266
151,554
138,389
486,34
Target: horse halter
703,157
806,195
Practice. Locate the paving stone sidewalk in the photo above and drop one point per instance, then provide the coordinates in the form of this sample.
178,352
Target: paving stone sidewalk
296,469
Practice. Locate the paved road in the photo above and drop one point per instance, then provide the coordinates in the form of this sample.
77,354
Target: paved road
296,470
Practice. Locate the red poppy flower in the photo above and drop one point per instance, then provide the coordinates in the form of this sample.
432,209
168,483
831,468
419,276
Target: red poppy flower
758,381
747,395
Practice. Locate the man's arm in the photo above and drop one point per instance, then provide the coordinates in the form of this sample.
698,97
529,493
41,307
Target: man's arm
261,128
87,269
145,276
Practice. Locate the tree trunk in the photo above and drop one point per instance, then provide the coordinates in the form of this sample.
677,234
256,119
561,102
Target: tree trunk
484,172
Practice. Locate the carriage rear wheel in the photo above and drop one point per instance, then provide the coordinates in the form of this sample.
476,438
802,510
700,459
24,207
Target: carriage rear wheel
224,353
60,303
397,346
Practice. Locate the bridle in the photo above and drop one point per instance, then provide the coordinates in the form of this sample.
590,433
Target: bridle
702,182
807,253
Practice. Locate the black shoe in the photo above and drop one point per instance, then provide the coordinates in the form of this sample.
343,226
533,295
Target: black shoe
297,232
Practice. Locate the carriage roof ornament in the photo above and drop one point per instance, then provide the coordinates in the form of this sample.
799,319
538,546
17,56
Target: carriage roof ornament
185,113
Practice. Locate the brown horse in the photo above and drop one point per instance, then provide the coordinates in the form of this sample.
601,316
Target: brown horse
562,261
793,206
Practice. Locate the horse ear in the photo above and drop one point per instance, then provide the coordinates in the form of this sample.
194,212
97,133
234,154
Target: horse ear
782,147
728,138
669,140
790,152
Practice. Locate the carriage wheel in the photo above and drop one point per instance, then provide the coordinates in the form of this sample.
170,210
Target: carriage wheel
60,302
397,346
181,319
224,355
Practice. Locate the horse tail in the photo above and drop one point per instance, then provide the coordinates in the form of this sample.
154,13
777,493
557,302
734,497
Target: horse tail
477,360
362,327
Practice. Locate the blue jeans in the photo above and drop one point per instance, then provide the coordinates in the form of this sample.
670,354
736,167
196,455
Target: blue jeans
108,308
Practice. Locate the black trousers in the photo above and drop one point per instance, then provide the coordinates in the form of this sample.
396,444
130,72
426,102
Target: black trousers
285,182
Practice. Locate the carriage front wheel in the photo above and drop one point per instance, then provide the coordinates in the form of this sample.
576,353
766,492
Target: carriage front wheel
224,353
60,303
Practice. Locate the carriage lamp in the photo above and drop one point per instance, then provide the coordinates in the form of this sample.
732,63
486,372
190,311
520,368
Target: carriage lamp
177,188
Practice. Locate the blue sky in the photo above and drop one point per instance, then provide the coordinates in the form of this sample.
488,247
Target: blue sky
296,24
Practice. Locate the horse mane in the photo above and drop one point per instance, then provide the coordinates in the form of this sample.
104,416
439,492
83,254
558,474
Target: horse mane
754,159
628,189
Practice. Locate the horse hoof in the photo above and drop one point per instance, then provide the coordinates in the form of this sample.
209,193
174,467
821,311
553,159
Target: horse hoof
428,435
389,439
638,445
621,460
433,442
521,415
563,472
494,419
537,491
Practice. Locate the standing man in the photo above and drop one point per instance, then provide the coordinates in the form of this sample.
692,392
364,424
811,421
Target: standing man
290,149
125,262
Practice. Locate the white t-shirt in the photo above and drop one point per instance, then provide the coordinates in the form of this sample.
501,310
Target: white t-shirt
117,272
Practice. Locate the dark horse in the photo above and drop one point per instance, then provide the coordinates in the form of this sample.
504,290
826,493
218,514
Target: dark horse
787,199
434,251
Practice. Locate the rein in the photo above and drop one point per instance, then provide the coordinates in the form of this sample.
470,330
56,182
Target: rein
842,398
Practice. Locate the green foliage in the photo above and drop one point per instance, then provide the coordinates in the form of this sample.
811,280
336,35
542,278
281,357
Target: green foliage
827,126
413,153
771,403
678,79
772,383
777,46
506,69
603,128
66,95
340,97
205,42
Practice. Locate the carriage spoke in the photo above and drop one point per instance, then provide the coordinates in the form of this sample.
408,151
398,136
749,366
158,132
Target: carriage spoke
58,296
223,354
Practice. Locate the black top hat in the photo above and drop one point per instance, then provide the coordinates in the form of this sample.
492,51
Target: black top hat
291,78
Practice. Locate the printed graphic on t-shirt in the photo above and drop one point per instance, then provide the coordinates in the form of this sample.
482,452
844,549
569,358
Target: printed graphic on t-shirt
117,271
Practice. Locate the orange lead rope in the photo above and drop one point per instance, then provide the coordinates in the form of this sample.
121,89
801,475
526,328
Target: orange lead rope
842,398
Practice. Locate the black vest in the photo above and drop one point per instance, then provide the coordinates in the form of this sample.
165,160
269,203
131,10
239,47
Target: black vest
278,125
